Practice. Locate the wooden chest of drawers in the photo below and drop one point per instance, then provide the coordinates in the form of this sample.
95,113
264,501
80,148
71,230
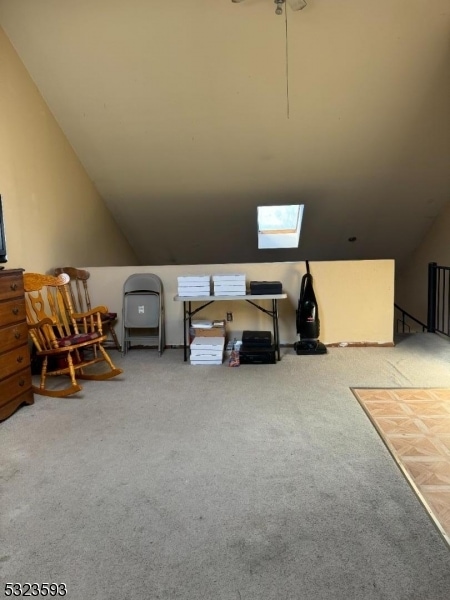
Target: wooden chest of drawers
15,369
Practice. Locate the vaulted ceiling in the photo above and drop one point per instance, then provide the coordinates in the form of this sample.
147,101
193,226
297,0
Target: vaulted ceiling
188,114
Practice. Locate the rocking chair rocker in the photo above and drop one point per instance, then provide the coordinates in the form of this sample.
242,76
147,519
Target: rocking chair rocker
66,341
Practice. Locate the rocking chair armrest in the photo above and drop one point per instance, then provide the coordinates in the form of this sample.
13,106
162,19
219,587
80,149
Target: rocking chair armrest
98,309
39,324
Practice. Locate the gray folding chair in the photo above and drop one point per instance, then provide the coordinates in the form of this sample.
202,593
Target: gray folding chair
143,312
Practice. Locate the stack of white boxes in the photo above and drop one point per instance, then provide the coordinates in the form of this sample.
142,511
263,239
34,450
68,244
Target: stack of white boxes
194,285
229,284
207,350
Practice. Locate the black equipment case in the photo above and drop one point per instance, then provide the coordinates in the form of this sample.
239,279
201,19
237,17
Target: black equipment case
257,356
266,287
257,348
256,339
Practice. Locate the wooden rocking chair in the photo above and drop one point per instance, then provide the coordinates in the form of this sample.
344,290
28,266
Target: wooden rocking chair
66,341
81,301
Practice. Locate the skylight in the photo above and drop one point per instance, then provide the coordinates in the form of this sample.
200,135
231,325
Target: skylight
279,226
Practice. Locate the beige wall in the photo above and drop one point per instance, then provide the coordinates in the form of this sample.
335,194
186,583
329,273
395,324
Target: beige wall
53,213
412,281
355,298
179,112
54,216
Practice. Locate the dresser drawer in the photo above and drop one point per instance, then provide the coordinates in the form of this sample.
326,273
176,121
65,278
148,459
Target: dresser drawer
14,360
13,336
12,311
11,285
15,385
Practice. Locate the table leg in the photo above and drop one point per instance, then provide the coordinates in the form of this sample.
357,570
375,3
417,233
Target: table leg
184,332
276,332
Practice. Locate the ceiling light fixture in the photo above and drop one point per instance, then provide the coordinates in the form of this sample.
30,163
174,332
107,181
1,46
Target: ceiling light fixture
279,8
295,5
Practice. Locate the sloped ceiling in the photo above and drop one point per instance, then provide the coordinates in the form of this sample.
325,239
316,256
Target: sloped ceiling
188,114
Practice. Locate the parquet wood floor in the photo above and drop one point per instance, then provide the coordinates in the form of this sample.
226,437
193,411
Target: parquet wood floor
415,426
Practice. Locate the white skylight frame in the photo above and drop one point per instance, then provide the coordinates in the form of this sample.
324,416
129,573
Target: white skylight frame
279,226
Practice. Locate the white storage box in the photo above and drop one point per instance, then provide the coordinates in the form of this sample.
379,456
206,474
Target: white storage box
194,291
194,285
207,350
206,354
208,343
229,289
229,292
206,362
194,279
229,284
196,295
201,324
228,277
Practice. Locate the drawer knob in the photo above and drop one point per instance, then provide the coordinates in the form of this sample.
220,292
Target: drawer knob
13,287
20,359
21,382
17,335
15,311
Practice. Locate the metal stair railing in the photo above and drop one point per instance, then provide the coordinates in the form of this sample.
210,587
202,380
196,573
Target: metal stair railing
405,326
438,309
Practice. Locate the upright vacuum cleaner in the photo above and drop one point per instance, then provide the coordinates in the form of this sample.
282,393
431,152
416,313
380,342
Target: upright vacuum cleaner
308,323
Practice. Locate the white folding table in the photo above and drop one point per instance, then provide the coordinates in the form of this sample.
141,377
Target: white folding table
254,299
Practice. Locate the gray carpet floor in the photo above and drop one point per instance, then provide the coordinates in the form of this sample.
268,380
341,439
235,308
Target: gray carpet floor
175,481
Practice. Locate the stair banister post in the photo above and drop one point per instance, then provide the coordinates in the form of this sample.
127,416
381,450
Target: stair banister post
431,313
